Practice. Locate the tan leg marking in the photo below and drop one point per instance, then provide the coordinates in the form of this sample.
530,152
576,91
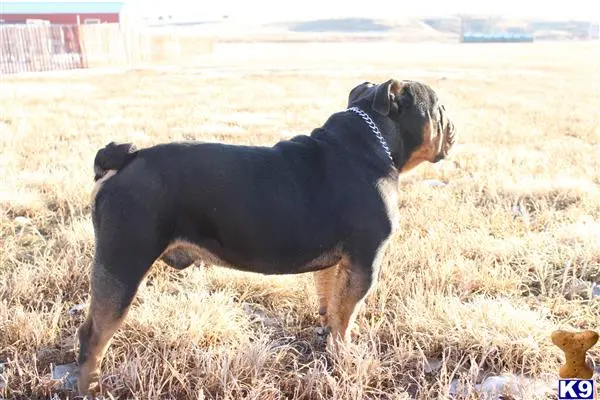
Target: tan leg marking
107,311
324,280
349,289
99,328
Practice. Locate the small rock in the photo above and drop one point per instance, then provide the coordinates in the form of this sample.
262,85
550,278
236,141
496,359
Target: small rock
320,331
76,309
519,211
433,183
596,290
432,365
456,389
497,387
67,373
494,387
22,221
503,387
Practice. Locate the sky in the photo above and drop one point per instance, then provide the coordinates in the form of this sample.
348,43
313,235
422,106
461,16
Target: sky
272,10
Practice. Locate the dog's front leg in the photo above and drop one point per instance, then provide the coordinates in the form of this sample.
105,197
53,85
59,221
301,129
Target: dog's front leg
324,280
352,283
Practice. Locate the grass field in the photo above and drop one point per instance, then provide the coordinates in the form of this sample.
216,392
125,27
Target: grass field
480,273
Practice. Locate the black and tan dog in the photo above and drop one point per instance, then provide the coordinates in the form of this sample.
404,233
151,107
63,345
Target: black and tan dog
324,203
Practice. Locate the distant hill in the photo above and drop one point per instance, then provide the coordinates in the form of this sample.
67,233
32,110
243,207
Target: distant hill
447,28
401,30
564,30
340,25
540,29
405,30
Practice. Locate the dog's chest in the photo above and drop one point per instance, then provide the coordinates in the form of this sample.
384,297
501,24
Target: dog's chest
388,190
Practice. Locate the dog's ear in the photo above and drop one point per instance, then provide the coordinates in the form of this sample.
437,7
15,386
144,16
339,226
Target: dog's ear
359,91
385,96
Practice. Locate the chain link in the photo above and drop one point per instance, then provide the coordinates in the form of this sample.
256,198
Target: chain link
374,128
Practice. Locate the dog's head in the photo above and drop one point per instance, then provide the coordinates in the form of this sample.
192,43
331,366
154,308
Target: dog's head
412,119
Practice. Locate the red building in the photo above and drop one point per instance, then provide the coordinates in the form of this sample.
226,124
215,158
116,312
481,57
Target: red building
59,12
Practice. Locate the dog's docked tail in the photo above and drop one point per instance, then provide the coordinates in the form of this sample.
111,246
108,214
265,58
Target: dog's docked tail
113,157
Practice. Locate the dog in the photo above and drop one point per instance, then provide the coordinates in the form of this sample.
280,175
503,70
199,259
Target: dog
324,203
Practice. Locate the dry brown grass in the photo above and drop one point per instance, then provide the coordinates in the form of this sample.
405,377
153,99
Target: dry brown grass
480,273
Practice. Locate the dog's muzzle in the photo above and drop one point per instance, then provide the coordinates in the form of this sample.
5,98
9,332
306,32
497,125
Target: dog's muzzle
449,135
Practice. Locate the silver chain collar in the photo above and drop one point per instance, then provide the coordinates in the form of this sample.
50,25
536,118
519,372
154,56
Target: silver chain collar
374,128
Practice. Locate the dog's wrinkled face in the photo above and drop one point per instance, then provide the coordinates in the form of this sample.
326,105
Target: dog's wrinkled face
415,125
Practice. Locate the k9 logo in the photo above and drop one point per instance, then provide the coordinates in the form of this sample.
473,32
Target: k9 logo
576,389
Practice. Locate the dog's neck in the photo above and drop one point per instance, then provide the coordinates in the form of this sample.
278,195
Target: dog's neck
373,126
390,138
348,131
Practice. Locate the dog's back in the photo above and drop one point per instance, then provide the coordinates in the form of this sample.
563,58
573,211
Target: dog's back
113,156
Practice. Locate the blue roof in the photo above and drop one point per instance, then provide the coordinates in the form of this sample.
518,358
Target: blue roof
59,7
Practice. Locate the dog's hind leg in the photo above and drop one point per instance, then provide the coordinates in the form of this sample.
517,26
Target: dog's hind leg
123,257
110,300
324,280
